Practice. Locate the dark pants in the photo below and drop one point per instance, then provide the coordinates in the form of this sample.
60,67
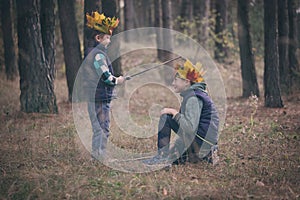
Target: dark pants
166,124
184,153
177,153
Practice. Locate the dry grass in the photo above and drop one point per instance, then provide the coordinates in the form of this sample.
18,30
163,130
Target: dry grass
41,156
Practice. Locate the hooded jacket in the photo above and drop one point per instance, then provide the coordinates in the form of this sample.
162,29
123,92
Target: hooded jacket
198,117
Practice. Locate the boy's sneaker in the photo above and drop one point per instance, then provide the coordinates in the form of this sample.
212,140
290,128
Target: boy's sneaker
212,157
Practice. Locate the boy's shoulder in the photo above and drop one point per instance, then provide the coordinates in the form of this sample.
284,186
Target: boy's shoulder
99,56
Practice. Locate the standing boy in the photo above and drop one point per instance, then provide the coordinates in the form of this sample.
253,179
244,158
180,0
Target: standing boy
99,80
195,124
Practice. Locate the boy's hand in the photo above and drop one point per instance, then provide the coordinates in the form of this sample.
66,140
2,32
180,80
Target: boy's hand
170,111
120,80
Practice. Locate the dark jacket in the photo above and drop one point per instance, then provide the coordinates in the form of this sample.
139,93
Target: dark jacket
95,88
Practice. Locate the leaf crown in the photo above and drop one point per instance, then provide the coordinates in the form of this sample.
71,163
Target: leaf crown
101,23
191,72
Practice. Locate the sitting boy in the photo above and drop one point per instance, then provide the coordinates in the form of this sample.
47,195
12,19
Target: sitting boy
196,123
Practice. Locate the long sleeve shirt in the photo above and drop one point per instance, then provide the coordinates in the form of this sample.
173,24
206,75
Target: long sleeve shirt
102,70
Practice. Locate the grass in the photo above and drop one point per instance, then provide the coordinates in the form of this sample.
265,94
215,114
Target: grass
42,157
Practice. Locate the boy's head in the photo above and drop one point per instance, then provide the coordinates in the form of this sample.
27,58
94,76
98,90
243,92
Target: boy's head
186,75
102,27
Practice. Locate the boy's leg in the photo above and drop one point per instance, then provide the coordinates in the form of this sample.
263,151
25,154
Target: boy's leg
99,116
104,121
166,124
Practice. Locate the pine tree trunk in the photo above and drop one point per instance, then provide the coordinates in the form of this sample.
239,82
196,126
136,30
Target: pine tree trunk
221,51
48,33
271,60
37,94
109,8
129,18
283,42
201,12
10,55
89,7
250,85
158,24
167,38
166,23
186,9
293,62
71,44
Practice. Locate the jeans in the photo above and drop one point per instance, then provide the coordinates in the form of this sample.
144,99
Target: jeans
100,120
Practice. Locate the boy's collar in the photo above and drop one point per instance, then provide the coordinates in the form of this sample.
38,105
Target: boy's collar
101,47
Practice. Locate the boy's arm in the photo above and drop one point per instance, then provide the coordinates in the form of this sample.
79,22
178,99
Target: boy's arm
189,120
188,126
103,71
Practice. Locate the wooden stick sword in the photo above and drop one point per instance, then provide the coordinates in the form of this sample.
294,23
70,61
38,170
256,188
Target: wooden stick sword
154,67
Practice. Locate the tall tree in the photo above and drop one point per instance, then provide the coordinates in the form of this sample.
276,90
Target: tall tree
166,23
109,8
221,50
89,7
283,43
10,55
187,9
37,93
128,18
250,85
147,6
293,62
71,44
201,12
48,33
186,14
167,37
158,24
271,60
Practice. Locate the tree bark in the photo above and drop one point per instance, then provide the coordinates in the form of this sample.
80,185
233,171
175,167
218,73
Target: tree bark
187,9
293,62
158,24
109,8
167,37
48,33
10,55
221,51
37,93
283,43
129,18
201,12
71,44
271,60
166,23
250,85
89,7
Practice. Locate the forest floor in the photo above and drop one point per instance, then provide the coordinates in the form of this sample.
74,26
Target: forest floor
42,157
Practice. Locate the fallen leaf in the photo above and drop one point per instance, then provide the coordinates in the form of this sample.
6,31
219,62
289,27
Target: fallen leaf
259,183
165,191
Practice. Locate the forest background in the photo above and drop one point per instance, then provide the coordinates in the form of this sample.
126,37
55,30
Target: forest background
255,45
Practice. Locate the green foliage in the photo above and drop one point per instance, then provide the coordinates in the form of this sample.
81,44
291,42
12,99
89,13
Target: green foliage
193,28
228,38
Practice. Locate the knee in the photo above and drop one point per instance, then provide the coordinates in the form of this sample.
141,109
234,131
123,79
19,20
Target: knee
165,117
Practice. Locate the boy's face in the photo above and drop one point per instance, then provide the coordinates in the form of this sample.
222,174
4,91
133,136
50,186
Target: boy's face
180,84
105,40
